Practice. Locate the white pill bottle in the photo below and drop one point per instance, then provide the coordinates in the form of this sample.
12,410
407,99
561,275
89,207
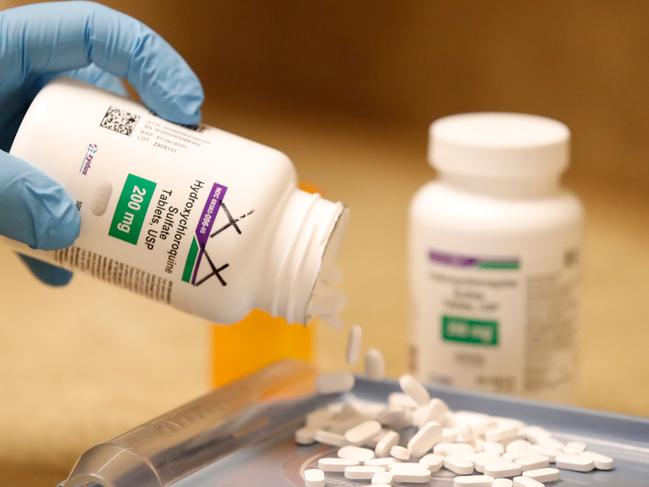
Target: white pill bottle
204,220
494,258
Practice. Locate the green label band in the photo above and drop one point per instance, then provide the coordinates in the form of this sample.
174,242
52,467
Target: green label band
466,330
131,208
189,263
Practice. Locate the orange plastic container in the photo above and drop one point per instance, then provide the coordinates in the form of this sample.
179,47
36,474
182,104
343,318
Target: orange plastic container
258,340
255,342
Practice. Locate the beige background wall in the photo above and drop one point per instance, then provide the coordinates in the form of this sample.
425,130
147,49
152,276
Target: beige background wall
583,62
347,89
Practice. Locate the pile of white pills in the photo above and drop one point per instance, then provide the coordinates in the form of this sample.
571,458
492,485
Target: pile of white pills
376,443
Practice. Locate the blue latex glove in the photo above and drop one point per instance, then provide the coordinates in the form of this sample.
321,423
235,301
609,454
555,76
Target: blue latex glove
94,43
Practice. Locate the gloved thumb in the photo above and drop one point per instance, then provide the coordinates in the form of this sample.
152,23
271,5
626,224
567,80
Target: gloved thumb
33,208
48,273
36,211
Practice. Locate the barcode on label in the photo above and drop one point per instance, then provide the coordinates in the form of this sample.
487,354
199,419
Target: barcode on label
119,121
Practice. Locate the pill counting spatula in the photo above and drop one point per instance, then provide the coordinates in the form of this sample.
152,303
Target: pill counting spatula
180,442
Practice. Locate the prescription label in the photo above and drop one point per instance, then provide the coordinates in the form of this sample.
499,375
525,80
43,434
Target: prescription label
131,209
501,323
465,330
115,272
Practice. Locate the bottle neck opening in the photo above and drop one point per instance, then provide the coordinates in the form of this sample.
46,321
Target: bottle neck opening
302,252
519,186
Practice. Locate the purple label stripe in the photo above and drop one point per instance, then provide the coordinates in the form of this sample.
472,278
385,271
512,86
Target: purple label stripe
206,222
451,259
458,260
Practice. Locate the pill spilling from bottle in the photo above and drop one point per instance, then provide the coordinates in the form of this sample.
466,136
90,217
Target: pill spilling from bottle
411,436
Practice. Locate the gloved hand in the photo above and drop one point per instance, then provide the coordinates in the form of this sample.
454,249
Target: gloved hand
94,43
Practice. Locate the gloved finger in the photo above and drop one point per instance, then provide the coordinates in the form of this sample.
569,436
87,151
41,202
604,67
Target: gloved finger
33,208
48,273
93,75
46,38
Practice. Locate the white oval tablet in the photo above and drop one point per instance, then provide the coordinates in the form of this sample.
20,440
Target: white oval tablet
543,474
453,449
414,389
374,364
401,400
533,462
400,453
414,477
335,464
511,457
370,410
101,198
483,458
465,434
473,480
502,421
386,443
424,440
435,410
517,446
449,421
601,462
432,461
354,339
394,417
355,453
575,447
372,442
314,477
527,482
502,433
385,462
448,435
493,447
551,453
535,433
305,436
478,422
550,442
408,466
410,472
382,478
502,469
458,465
361,433
577,463
341,426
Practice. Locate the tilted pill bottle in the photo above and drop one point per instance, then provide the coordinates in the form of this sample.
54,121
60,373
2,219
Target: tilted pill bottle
494,247
204,220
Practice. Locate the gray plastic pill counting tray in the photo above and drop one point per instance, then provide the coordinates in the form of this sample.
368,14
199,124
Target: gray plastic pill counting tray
279,462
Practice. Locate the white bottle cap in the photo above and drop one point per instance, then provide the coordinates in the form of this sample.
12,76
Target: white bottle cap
498,145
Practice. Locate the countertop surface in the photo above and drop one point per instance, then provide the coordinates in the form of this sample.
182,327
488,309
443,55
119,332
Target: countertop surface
84,363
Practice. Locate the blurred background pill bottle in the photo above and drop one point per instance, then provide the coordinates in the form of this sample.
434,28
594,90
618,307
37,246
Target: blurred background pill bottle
494,258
